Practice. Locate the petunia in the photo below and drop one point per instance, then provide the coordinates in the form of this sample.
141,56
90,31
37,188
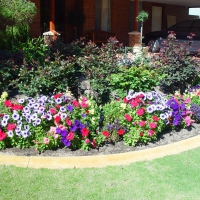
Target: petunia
85,132
70,108
11,127
2,135
10,133
46,140
70,136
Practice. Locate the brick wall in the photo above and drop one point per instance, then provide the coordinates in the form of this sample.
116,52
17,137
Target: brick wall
35,30
120,19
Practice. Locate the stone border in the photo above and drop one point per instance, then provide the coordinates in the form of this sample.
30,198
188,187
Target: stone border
100,160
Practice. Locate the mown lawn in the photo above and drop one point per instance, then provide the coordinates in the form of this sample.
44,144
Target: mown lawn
172,177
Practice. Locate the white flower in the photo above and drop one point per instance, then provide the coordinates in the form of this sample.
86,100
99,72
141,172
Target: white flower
91,111
123,105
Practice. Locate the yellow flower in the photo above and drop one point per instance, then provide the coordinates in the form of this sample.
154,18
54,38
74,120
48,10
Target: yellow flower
91,111
4,95
123,105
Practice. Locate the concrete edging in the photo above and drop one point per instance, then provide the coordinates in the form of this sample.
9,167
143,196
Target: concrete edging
100,160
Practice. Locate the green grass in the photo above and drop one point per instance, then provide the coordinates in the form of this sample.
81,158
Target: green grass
172,177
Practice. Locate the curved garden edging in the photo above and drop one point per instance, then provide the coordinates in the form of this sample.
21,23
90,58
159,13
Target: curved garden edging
101,160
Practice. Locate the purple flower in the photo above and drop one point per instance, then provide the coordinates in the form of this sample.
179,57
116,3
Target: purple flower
77,122
73,128
32,100
83,115
162,116
64,133
63,116
6,117
26,109
66,142
58,130
49,117
70,108
151,108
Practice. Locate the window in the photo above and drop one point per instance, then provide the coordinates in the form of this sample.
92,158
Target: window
102,15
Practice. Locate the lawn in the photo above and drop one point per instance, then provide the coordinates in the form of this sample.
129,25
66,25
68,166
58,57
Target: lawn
172,177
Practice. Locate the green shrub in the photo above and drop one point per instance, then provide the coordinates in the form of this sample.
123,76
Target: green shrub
136,78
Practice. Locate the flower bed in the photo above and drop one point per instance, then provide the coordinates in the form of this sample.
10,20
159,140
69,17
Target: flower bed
49,122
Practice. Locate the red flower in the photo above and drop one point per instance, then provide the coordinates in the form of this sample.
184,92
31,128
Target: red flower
8,103
2,135
150,132
70,136
125,100
87,111
17,107
128,117
52,111
152,125
85,132
140,111
57,119
121,132
11,127
57,96
68,121
94,143
57,106
75,103
134,103
141,134
105,133
142,123
155,118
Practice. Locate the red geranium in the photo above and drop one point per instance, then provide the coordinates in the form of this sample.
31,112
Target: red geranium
105,133
121,132
128,117
142,123
11,127
140,111
17,107
70,136
155,118
2,135
57,96
8,103
85,132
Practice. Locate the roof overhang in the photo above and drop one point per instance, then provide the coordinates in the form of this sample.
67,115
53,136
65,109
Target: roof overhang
187,3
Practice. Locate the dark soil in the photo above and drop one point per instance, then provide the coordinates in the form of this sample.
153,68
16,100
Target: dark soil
167,137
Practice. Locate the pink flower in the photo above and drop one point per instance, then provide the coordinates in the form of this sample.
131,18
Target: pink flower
75,103
152,125
142,123
2,135
84,105
46,140
188,100
128,117
8,103
55,136
68,121
57,96
62,127
155,118
52,129
188,121
140,111
11,127
52,111
150,133
85,132
70,136
87,141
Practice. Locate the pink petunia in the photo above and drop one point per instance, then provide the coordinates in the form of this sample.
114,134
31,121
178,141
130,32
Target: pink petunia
70,136
46,140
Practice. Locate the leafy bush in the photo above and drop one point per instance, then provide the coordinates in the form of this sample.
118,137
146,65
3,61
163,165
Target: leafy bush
33,50
175,61
137,78
50,78
98,63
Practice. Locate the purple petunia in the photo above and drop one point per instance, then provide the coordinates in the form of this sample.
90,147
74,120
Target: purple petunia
70,108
